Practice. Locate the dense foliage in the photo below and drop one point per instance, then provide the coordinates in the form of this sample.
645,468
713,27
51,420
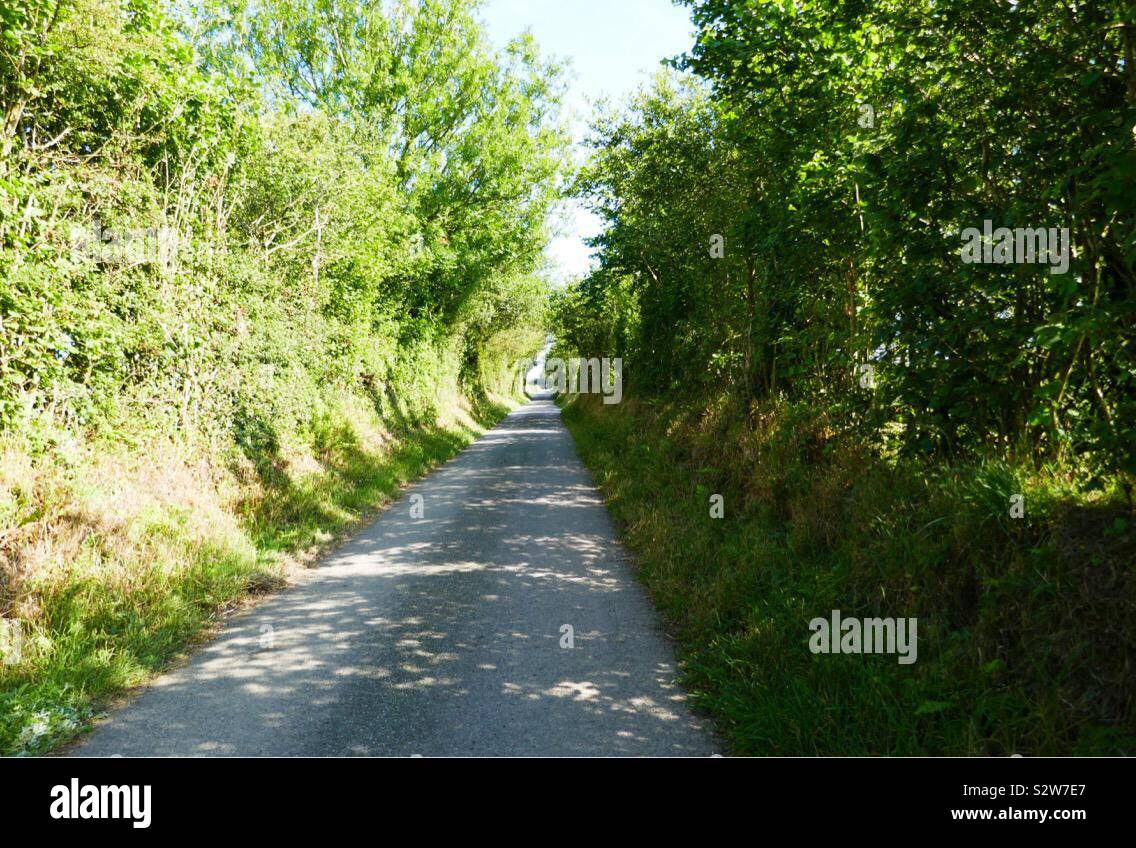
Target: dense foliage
261,263
784,270
202,201
840,150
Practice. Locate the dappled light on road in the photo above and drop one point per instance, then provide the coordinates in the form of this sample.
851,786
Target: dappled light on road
442,634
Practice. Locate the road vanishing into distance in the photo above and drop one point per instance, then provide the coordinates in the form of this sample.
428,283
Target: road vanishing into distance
441,635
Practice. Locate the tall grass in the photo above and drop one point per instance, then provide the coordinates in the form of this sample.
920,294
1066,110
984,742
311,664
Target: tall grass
1026,626
117,558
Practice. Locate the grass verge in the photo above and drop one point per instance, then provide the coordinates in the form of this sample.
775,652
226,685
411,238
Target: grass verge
1025,625
117,559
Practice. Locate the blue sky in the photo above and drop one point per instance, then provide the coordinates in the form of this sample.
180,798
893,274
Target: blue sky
611,46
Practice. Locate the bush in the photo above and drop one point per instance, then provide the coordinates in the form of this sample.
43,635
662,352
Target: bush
1024,641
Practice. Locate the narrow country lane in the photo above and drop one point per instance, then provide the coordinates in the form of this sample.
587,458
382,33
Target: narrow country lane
441,635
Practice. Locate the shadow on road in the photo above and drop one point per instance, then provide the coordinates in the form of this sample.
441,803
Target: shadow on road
442,634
